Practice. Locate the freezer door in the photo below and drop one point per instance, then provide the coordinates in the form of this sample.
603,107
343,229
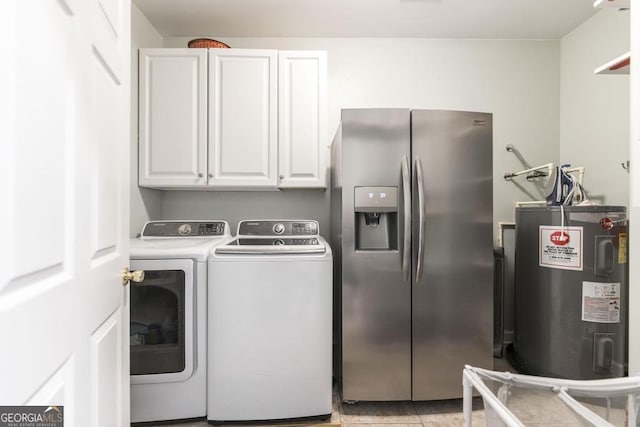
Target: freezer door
376,301
452,311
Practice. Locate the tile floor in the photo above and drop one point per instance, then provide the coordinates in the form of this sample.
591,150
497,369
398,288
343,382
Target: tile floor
444,413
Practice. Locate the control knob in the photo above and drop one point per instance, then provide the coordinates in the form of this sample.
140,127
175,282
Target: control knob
184,230
278,242
278,228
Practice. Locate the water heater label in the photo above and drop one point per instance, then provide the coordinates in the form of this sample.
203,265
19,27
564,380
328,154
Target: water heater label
601,302
622,248
560,247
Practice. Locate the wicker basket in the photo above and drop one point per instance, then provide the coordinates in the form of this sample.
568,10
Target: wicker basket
195,43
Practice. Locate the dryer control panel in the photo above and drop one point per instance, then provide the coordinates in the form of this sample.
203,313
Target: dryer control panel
184,228
267,228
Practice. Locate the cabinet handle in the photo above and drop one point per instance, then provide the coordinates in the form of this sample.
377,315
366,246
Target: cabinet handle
281,176
200,175
210,175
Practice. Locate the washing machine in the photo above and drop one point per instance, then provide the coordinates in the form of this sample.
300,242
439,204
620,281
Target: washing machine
168,318
270,323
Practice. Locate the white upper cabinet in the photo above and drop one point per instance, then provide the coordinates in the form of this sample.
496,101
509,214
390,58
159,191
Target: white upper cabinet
173,117
232,119
243,117
302,87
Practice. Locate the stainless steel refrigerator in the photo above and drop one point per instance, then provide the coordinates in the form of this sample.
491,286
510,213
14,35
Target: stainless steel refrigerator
412,224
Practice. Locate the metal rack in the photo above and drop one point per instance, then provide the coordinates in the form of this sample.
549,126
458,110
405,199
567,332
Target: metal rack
534,172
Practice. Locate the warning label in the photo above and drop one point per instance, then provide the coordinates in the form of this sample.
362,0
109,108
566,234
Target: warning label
601,302
560,247
622,248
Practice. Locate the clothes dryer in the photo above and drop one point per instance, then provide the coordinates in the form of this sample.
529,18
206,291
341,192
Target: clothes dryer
168,315
270,323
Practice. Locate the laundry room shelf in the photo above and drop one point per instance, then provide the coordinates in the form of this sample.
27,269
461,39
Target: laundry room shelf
612,3
619,65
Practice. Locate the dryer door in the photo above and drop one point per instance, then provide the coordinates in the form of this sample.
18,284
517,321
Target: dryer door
162,333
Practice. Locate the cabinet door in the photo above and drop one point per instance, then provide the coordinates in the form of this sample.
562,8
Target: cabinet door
303,148
242,118
173,121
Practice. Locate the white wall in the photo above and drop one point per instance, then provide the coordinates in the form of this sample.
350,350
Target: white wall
595,126
634,244
516,80
145,203
594,109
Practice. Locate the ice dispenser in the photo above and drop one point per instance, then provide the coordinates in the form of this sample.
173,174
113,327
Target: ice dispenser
376,218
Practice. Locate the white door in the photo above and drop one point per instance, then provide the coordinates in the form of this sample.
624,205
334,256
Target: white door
243,126
64,126
173,117
302,119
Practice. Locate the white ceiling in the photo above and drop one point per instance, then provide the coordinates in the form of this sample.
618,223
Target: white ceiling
502,19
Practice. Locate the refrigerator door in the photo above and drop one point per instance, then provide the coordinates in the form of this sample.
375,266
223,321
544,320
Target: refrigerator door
376,301
453,249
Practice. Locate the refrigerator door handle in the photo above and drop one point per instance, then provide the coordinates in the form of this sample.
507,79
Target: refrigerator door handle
406,247
421,216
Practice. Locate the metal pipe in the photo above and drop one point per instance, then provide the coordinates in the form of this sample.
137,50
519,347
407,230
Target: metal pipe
579,169
515,151
547,166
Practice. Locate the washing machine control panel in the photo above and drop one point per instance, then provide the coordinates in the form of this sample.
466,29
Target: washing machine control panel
262,241
184,228
279,228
